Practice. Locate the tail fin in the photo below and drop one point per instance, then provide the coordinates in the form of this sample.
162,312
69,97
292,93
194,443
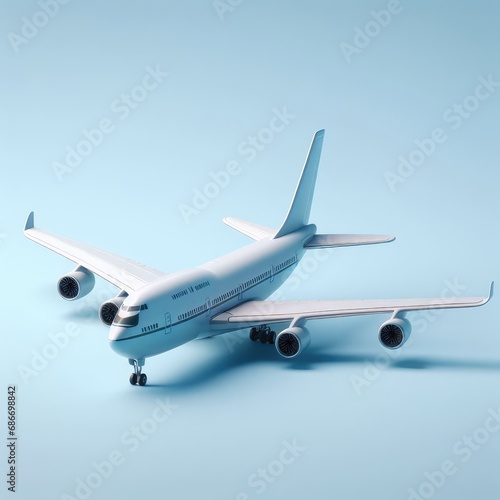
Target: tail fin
300,209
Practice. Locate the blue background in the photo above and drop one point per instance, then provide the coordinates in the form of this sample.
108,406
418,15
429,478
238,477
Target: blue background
370,424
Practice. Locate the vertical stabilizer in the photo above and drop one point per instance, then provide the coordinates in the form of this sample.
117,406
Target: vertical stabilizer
300,209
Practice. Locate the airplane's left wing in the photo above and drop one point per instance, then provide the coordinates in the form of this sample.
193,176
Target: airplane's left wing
258,312
121,272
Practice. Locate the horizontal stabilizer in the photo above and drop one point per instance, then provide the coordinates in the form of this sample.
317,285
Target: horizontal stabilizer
346,240
254,231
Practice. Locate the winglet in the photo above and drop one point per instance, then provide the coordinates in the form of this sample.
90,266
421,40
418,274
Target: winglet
30,221
485,300
492,291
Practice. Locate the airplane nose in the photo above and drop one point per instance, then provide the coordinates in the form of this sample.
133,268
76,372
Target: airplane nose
118,341
117,333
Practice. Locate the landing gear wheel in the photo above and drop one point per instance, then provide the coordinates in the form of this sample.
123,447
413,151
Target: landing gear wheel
137,376
271,337
254,334
263,337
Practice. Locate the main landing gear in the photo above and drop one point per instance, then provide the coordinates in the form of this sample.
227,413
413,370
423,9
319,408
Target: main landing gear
138,377
262,333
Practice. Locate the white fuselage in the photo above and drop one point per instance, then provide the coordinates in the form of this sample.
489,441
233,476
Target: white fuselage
179,307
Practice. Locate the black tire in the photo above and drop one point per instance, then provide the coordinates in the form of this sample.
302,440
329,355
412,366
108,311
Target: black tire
143,379
133,379
263,337
254,334
272,337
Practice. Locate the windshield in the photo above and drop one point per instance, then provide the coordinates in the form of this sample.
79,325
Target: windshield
128,315
130,308
128,321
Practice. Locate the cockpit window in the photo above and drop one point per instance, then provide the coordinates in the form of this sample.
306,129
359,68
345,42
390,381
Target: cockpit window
134,308
128,321
130,308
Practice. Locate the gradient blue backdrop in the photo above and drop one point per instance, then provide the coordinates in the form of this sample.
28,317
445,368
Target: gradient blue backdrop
370,425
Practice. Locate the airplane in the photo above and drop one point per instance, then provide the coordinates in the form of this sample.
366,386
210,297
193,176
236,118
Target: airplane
155,312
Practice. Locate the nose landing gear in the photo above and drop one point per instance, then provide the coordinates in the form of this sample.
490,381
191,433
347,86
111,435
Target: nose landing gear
138,377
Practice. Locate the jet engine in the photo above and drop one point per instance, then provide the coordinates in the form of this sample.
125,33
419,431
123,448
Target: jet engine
108,309
292,341
394,333
76,284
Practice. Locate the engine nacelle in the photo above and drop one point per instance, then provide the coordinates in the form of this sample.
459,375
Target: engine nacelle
76,284
292,341
394,333
108,309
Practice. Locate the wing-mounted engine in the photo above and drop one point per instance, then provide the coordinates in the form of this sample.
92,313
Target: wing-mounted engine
108,309
292,341
394,333
76,284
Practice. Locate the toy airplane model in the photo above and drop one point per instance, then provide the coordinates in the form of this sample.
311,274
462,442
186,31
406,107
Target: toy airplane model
155,312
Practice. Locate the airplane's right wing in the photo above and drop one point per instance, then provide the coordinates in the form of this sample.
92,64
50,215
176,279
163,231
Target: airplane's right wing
124,273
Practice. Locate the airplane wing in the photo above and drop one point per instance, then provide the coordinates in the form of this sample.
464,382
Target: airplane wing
123,273
255,312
